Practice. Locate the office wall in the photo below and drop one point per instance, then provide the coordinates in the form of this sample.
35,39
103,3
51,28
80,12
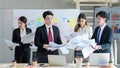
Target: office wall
6,18
1,34
55,4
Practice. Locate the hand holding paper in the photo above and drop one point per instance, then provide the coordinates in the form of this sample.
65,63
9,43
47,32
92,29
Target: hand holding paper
10,44
54,45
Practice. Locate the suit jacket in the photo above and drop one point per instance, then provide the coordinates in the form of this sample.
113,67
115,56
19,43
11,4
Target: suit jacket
41,37
17,39
106,38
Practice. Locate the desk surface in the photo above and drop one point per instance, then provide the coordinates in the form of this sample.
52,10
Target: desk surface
7,65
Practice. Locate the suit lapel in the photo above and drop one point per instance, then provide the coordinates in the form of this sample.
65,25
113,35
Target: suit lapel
103,33
19,34
45,32
54,32
27,31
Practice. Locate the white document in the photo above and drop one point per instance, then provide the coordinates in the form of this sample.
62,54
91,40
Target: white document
64,50
87,51
54,45
70,46
78,39
28,38
68,37
89,42
10,43
72,35
82,41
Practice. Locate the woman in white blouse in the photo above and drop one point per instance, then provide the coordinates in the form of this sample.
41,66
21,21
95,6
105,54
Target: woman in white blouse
83,28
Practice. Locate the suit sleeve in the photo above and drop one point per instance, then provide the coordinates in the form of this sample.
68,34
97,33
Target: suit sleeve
59,38
14,38
94,34
109,40
37,39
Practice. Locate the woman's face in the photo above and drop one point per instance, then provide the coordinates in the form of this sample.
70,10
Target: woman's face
21,25
82,22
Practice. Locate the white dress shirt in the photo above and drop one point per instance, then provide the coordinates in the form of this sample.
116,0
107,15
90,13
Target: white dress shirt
102,28
87,30
22,33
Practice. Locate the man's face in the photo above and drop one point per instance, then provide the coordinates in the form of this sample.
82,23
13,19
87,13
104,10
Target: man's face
48,19
101,20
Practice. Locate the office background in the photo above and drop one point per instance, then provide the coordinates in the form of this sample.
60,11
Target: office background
6,20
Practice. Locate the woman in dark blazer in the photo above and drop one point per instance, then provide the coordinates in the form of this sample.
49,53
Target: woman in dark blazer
22,52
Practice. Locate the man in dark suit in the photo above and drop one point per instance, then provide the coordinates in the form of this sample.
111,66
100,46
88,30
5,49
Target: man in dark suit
103,34
45,34
22,52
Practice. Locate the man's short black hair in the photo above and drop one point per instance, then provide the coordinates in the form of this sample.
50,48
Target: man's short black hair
102,14
47,13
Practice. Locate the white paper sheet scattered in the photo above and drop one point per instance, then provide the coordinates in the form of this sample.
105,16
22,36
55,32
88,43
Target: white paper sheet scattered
89,42
70,46
87,51
83,43
10,43
74,34
64,50
54,45
28,38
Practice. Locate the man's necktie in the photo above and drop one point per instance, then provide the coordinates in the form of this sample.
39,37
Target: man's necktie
98,36
98,39
50,38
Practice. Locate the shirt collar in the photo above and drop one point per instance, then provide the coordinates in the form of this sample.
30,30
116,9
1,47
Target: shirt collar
103,26
48,26
23,30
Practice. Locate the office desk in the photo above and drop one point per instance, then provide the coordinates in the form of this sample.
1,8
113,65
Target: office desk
7,65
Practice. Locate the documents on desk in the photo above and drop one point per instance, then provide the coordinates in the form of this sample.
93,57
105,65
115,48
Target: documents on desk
28,38
10,43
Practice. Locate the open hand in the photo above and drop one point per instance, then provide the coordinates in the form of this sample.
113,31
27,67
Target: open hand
96,47
46,46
